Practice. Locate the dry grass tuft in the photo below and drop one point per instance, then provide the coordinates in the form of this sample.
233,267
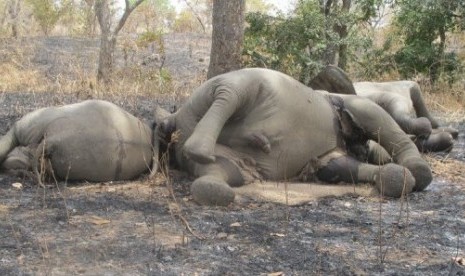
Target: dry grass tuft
446,99
450,169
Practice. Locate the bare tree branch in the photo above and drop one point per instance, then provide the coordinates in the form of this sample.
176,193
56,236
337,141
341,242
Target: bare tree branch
196,15
127,11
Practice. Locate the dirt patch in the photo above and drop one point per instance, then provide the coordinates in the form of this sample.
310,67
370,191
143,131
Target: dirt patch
152,227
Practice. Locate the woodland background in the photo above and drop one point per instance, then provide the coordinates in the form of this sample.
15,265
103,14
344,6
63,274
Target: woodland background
139,54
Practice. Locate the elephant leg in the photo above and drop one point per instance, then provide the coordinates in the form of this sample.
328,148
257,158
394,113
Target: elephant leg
380,126
200,145
7,143
333,79
420,107
18,159
439,141
452,131
214,182
391,179
420,126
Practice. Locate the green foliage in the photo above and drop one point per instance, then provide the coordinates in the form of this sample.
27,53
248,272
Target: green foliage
48,12
291,45
375,61
186,22
148,37
300,45
424,26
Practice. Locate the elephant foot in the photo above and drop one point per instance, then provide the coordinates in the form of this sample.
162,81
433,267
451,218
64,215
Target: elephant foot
200,149
210,190
421,127
394,180
439,141
452,131
420,170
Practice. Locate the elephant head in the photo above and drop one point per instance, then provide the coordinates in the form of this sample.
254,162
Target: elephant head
403,100
261,124
92,140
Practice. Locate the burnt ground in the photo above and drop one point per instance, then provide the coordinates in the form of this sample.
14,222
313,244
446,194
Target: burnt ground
152,227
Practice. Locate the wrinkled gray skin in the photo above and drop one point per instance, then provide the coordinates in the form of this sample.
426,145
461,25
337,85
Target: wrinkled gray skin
401,99
261,124
93,140
404,102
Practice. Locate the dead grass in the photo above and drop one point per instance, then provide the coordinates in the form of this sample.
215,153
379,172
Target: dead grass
29,66
447,168
446,99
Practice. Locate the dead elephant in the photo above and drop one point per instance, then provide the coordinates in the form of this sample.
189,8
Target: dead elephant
93,140
403,100
262,124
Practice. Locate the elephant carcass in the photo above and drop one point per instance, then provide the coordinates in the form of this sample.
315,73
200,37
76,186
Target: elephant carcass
262,124
404,101
93,140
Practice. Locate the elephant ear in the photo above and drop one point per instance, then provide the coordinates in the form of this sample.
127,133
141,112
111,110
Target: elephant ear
333,79
355,137
163,126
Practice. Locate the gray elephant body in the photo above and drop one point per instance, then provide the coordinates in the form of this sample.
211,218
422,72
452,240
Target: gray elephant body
92,140
260,123
269,106
403,100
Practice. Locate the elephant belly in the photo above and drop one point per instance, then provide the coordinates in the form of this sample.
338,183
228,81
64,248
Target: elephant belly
103,154
298,131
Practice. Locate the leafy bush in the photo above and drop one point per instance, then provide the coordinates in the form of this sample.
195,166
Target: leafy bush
292,45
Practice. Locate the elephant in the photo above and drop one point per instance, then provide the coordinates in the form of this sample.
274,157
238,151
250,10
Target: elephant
255,123
93,140
403,100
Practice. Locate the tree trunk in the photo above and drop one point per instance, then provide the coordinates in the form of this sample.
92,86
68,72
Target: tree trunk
106,58
105,62
342,31
13,12
227,36
108,37
329,56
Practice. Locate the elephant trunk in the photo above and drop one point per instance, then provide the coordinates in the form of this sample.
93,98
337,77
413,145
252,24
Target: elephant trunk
155,150
163,127
381,127
404,152
7,143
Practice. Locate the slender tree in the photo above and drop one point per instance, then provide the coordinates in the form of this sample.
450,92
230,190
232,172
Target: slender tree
227,36
424,26
14,8
108,36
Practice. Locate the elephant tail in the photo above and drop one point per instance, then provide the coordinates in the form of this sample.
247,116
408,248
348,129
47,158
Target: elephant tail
7,143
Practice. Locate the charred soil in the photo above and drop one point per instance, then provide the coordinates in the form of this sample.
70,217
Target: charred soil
152,227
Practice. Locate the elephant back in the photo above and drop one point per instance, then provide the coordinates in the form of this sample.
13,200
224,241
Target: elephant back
392,96
98,141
